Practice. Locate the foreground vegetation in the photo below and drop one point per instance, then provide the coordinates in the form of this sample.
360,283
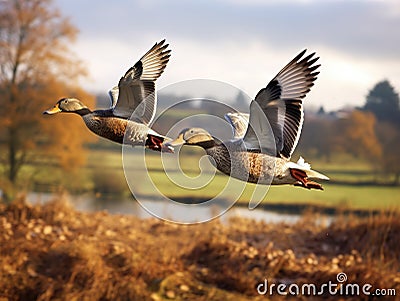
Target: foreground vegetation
52,252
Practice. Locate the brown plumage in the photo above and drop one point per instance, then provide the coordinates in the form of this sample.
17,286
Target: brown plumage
108,127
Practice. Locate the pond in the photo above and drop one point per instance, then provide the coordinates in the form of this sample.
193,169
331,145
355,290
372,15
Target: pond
89,203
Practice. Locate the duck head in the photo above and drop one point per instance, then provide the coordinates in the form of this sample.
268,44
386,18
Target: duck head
68,105
193,136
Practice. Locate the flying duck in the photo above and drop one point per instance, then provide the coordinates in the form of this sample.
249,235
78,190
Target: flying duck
135,94
264,141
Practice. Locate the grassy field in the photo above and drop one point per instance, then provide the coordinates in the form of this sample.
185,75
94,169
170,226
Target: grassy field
345,170
350,186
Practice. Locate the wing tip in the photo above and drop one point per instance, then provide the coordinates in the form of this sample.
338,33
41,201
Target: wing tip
160,43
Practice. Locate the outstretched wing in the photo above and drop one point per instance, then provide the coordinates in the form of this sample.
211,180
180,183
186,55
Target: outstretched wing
239,122
281,104
136,89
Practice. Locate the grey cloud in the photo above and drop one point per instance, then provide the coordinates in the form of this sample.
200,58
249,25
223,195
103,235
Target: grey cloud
366,28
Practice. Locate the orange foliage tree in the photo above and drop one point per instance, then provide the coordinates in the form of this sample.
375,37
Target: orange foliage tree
37,68
356,135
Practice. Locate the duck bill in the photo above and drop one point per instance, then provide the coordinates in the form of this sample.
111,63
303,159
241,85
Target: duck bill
178,141
56,109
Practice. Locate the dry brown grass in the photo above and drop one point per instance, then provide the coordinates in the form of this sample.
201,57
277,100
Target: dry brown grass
52,252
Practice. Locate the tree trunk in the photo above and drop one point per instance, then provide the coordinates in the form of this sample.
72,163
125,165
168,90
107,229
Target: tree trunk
12,157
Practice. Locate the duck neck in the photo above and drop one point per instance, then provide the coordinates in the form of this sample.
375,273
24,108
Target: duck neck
209,143
83,112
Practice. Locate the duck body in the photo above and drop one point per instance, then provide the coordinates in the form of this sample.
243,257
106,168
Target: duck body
103,123
106,124
233,159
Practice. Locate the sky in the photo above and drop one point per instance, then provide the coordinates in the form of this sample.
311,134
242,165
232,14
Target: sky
244,43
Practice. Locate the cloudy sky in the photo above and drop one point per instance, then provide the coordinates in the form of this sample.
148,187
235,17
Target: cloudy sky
243,42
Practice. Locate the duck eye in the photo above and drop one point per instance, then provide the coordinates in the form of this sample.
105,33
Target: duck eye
66,101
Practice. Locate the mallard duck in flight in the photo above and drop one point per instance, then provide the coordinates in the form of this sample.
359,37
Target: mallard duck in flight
135,94
260,153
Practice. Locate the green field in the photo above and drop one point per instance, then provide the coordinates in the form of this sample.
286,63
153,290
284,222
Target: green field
346,195
353,182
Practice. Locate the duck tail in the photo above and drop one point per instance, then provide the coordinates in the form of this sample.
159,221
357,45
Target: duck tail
306,167
156,141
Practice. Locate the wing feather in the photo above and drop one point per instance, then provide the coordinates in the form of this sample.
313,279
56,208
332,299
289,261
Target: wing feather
239,122
137,87
113,93
281,103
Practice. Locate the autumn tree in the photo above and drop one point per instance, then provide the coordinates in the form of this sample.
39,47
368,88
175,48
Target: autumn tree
355,134
37,68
